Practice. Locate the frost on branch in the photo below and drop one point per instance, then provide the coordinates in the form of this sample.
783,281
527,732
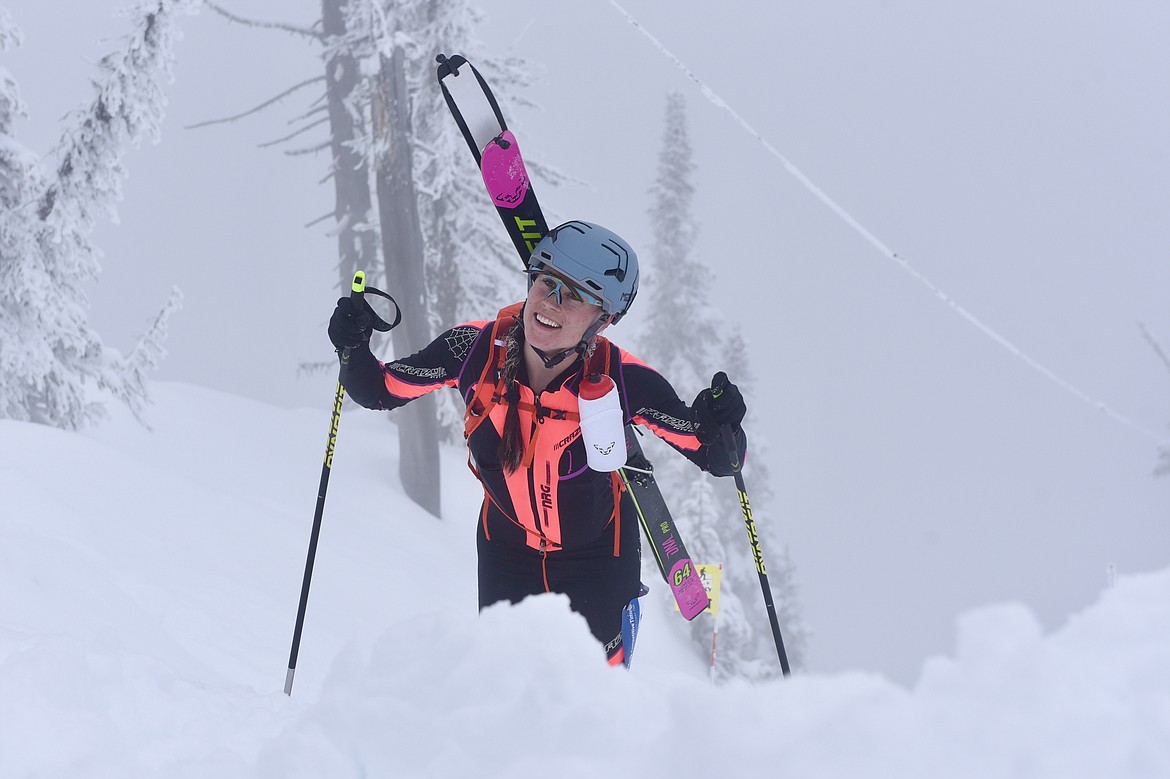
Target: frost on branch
49,354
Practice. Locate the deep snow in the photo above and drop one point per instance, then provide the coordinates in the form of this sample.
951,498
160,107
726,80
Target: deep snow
149,582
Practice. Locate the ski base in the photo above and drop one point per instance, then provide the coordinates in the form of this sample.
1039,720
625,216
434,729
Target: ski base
643,498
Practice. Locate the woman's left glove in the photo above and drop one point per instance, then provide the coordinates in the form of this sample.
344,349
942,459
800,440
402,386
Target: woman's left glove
349,327
720,404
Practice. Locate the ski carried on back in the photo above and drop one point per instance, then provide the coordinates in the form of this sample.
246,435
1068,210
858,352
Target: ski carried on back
495,150
643,497
497,154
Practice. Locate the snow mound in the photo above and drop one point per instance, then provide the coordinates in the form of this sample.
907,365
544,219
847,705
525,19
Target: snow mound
148,585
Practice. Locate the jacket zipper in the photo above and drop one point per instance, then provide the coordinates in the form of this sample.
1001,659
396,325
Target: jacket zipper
536,420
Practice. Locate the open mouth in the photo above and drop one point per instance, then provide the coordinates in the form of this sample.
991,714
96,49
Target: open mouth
546,321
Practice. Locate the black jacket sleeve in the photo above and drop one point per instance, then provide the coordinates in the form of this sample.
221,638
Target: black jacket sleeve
651,401
382,386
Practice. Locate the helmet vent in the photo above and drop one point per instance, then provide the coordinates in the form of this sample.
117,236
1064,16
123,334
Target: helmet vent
622,260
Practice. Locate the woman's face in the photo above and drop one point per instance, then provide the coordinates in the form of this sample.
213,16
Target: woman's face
557,313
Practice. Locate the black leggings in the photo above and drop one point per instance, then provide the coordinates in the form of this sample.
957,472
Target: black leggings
597,583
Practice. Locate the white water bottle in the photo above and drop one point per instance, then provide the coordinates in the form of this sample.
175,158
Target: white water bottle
601,423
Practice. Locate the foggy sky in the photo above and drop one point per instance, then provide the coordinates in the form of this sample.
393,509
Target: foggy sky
1014,154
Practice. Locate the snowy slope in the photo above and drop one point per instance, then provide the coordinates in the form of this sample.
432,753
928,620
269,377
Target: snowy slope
148,586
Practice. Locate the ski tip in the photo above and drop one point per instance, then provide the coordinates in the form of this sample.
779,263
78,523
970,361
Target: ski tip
449,66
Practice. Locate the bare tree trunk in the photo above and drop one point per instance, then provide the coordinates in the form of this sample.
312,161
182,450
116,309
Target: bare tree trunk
402,251
350,172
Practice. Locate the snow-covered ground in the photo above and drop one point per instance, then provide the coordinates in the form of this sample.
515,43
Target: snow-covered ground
149,583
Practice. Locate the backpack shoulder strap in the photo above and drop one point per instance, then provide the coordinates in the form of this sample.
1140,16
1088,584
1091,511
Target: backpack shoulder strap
489,389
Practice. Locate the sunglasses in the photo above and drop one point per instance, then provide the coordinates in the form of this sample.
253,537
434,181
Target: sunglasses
560,288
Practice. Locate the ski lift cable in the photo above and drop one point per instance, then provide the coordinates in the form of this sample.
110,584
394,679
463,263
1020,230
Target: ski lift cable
881,246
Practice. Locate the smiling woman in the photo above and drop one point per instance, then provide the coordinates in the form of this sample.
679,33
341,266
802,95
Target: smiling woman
557,315
549,521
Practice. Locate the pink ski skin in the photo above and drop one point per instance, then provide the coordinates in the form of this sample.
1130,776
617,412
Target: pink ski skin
503,171
689,592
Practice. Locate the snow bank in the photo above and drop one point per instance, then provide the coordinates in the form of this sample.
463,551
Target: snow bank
148,585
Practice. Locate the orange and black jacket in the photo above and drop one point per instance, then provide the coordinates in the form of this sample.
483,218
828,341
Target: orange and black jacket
557,502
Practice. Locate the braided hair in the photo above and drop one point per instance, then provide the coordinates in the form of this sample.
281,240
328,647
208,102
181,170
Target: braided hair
511,450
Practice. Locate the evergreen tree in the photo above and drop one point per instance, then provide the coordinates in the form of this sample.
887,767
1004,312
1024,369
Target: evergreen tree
682,331
471,267
468,264
48,351
25,358
685,338
781,569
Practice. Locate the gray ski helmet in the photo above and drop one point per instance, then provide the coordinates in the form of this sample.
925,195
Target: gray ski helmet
593,258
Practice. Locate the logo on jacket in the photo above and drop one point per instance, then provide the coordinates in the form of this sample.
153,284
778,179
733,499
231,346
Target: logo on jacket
570,438
605,450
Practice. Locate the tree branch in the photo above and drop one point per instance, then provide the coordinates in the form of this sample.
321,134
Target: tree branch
313,368
321,219
289,28
1157,347
295,133
319,109
260,107
309,150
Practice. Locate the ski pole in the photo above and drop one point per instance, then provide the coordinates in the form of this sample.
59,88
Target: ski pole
753,537
357,292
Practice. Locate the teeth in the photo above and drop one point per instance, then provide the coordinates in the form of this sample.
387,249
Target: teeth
546,322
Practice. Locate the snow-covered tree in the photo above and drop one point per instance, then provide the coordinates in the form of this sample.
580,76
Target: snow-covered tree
411,209
21,181
471,267
683,330
687,339
461,226
466,260
48,351
782,578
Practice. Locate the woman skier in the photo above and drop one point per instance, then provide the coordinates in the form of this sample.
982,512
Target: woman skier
549,522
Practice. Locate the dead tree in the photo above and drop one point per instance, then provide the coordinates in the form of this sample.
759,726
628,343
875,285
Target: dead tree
403,252
369,123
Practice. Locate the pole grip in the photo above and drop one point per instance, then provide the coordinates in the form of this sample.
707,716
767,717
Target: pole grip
728,434
357,293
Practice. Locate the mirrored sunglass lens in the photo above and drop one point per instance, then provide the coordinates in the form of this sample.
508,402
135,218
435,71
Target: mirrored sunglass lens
588,298
559,287
555,286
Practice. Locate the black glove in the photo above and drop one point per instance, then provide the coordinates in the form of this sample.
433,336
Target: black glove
349,327
720,404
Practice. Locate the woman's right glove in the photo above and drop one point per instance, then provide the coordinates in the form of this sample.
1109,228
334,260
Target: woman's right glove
349,327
